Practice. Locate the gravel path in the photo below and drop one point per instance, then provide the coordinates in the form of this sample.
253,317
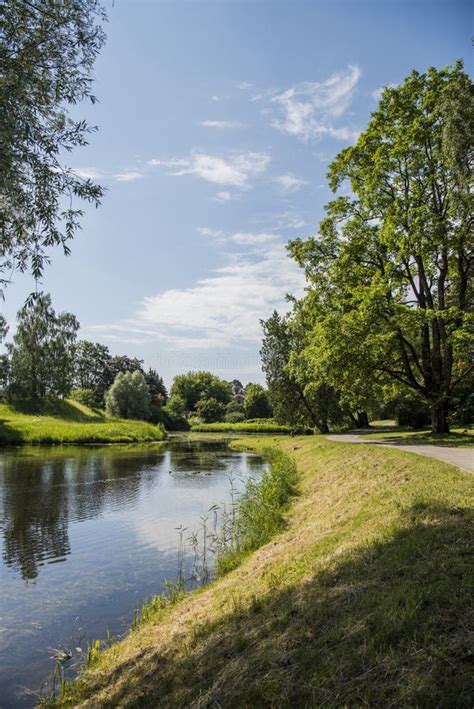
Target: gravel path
462,457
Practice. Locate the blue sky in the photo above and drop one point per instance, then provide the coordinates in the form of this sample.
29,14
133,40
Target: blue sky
217,121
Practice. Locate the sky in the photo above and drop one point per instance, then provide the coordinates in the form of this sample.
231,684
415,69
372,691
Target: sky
217,122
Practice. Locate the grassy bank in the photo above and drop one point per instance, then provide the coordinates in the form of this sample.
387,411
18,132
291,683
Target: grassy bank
363,599
241,427
68,422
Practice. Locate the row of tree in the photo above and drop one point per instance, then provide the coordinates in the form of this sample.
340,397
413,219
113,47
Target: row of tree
45,361
387,314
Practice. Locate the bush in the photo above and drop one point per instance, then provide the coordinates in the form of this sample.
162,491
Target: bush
210,410
83,396
234,417
129,396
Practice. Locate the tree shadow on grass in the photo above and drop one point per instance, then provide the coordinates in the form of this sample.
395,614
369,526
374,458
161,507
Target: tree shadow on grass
387,626
57,408
426,438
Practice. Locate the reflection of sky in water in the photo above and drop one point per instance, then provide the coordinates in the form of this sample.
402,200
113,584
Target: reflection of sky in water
87,534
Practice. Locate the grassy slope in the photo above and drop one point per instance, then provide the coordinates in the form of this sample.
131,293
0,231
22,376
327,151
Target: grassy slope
68,422
363,600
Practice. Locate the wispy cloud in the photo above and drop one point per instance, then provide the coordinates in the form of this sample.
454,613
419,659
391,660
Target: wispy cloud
128,176
222,124
312,109
220,311
235,170
92,173
224,196
290,183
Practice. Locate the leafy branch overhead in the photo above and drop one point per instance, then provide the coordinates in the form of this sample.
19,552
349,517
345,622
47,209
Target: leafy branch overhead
47,54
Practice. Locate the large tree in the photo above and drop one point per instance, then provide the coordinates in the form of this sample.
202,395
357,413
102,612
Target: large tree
41,355
392,264
91,359
194,386
47,53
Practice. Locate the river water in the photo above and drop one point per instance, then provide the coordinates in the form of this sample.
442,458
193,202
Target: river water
87,534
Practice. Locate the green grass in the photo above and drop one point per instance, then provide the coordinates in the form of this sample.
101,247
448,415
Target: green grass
253,426
458,438
67,421
363,598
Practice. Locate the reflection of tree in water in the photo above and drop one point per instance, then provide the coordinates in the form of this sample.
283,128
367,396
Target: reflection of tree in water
36,519
191,456
41,497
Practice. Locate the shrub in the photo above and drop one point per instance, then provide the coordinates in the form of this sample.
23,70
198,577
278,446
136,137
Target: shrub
210,410
83,396
234,417
129,396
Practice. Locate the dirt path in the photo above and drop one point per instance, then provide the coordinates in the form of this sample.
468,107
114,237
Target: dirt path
462,457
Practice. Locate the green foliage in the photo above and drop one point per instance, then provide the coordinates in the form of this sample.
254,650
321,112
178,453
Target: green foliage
83,396
91,366
234,417
296,392
390,272
412,411
256,404
210,410
47,54
195,386
41,355
129,396
172,414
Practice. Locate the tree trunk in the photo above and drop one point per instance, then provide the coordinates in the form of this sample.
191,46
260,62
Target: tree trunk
439,417
323,427
362,419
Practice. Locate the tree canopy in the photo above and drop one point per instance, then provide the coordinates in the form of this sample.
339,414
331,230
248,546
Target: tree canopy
47,53
194,386
390,272
41,355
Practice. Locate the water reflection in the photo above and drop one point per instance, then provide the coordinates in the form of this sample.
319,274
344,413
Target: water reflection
86,534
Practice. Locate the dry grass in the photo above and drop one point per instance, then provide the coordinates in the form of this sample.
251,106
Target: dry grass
364,599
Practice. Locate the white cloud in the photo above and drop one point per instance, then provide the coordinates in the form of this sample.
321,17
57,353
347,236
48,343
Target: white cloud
226,307
87,173
222,124
290,183
128,176
252,239
310,109
205,231
235,170
223,196
222,310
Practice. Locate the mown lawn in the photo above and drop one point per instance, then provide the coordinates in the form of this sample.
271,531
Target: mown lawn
68,422
364,599
263,426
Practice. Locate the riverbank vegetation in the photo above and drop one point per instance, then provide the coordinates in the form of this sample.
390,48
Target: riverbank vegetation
52,422
263,426
353,602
